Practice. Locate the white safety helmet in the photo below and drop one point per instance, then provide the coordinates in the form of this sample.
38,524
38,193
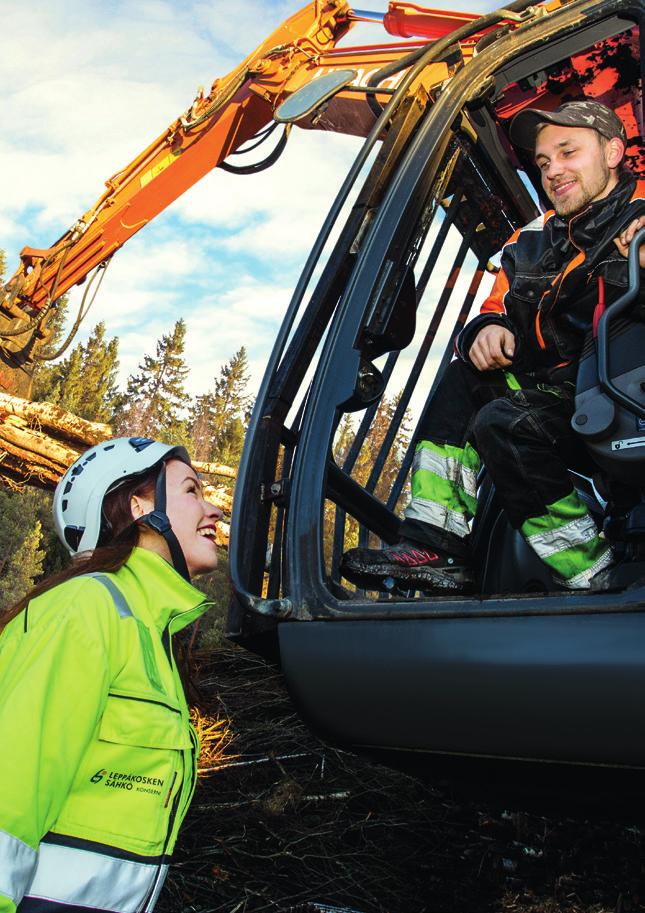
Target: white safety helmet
78,499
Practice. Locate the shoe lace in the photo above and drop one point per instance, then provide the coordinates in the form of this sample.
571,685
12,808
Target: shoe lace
412,556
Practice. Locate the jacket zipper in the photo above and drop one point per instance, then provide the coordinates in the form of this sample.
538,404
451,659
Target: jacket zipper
171,823
538,328
166,640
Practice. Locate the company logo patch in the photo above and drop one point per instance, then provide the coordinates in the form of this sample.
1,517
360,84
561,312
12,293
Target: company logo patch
137,783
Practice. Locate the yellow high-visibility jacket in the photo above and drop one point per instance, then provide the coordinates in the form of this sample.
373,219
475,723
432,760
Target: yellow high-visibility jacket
98,758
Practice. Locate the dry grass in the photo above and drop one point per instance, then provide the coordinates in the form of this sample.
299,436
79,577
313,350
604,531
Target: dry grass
216,737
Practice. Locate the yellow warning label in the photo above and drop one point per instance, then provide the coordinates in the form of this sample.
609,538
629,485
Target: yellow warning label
156,170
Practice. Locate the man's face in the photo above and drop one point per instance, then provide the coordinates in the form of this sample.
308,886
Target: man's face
574,168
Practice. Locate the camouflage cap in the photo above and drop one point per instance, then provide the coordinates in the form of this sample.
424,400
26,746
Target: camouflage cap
592,114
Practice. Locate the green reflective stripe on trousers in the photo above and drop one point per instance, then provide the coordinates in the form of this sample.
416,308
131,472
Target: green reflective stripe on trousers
430,487
467,455
567,540
580,561
577,532
583,580
446,475
558,514
448,468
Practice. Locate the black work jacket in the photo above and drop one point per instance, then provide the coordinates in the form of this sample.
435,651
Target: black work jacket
553,273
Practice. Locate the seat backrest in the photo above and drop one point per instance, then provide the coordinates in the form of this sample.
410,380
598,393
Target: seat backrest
614,433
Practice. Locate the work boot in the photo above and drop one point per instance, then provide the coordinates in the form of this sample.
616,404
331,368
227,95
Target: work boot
408,565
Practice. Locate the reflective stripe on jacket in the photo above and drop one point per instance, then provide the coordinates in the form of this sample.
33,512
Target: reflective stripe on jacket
98,763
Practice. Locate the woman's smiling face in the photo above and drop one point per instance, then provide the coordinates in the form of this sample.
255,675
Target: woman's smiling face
192,518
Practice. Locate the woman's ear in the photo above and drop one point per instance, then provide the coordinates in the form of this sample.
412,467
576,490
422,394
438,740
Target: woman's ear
137,508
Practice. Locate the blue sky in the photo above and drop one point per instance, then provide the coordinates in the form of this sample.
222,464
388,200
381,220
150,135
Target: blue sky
87,85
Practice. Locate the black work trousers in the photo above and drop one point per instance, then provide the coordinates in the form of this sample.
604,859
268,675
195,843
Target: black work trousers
523,436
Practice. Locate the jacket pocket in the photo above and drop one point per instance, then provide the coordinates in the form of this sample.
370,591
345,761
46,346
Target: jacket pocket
530,288
131,776
143,722
614,272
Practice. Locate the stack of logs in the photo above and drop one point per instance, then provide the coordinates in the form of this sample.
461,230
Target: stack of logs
38,441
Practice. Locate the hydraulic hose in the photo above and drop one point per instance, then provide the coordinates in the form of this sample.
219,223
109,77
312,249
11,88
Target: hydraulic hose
441,45
82,313
271,159
36,319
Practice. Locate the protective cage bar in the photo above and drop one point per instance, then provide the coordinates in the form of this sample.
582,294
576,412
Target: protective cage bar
447,250
450,275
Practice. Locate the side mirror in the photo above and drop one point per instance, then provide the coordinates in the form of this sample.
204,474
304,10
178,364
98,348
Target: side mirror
368,388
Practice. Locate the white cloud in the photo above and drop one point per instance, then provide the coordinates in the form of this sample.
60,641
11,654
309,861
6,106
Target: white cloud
248,315
304,180
82,95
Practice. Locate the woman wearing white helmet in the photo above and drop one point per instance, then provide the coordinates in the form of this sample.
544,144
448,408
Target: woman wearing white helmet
98,759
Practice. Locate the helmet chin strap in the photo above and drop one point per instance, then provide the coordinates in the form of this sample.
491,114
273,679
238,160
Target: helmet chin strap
159,521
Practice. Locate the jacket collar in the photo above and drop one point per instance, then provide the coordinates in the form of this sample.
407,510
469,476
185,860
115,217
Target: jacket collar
154,586
588,229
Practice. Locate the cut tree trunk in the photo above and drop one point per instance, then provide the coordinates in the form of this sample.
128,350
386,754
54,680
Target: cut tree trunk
39,441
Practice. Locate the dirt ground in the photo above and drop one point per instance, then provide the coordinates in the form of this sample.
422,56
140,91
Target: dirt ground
290,825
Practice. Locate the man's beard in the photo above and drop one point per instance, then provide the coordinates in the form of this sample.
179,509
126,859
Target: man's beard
583,193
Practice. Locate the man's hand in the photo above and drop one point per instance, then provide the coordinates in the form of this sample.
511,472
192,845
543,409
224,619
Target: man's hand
626,235
494,347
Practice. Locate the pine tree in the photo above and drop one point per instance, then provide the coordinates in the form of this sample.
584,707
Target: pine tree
202,420
156,396
85,381
22,556
232,408
225,411
344,439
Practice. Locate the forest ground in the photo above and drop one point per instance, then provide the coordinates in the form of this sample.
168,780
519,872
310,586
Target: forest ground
290,824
